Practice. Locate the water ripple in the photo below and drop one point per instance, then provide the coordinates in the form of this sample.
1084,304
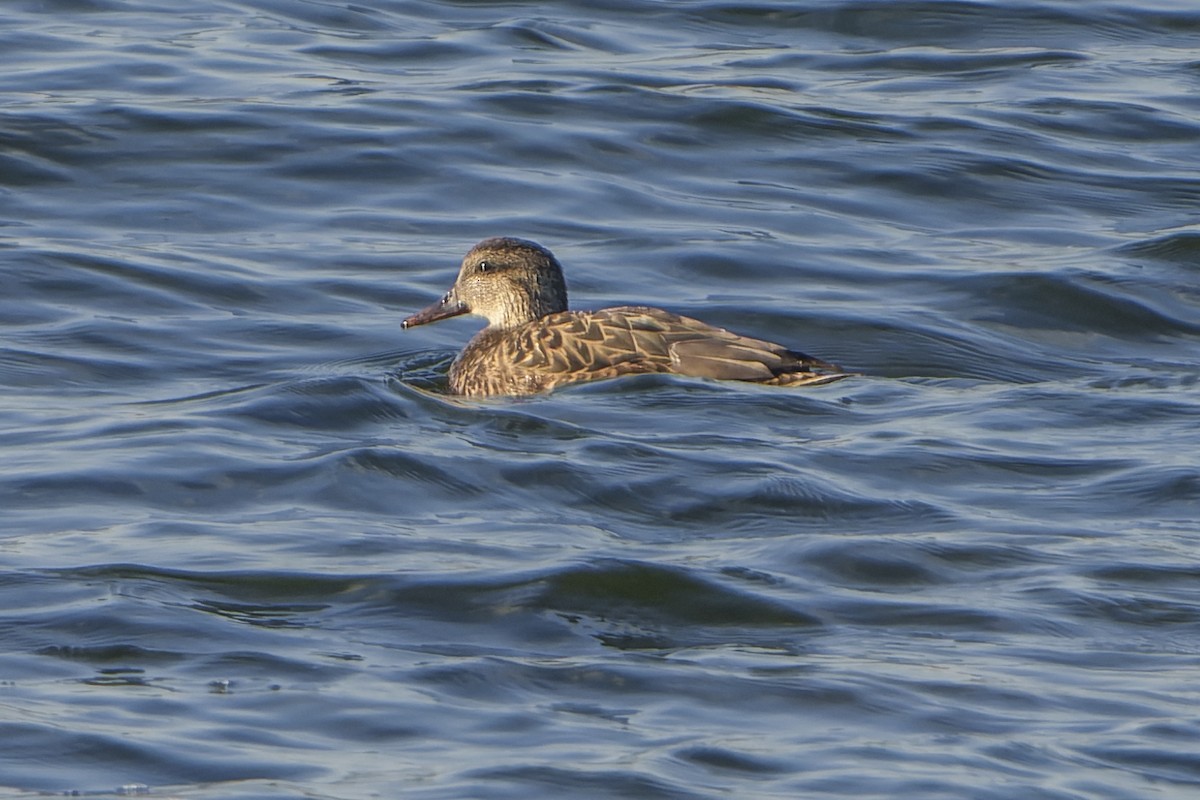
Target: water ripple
249,543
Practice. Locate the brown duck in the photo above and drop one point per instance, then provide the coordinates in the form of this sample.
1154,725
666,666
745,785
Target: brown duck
533,343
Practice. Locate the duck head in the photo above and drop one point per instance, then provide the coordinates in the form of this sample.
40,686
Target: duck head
506,281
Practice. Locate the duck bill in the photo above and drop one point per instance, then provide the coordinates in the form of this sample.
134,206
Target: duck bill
443,309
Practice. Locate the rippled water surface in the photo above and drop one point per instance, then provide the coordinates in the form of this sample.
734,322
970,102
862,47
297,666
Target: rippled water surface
251,549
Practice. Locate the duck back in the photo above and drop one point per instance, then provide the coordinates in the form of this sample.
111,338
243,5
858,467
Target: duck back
574,346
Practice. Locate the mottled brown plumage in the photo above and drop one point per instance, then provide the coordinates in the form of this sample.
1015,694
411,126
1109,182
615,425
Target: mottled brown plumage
533,343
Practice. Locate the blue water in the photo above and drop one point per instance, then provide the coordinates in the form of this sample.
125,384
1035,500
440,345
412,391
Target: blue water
250,549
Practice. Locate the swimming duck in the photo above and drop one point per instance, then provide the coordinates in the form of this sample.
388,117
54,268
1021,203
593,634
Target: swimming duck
532,343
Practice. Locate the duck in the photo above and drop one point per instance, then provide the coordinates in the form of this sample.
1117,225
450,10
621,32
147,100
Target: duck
534,343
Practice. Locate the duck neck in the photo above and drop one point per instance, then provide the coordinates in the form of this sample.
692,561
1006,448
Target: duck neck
520,310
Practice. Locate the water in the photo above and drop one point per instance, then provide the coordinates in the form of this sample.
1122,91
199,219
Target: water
250,550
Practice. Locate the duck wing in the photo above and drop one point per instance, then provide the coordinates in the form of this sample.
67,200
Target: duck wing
581,343
642,339
724,360
574,346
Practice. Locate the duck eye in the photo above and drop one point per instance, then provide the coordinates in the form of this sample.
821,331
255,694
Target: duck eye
484,266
